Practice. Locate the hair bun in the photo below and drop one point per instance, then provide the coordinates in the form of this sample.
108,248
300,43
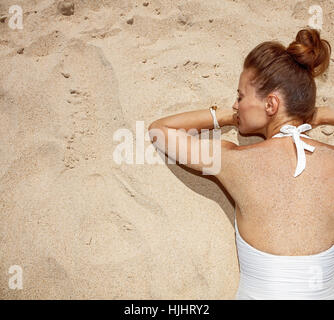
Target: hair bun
310,51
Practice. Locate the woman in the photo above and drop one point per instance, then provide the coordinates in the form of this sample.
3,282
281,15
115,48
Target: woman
284,217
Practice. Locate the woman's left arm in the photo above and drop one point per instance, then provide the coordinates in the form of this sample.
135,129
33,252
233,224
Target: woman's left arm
199,119
174,139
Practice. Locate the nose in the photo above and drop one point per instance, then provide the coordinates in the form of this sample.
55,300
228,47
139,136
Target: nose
235,106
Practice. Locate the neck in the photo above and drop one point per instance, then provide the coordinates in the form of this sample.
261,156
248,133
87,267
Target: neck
275,126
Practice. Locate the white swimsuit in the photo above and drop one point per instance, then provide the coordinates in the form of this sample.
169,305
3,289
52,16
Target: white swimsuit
267,276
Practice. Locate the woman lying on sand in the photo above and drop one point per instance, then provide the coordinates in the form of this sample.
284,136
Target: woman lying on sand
282,186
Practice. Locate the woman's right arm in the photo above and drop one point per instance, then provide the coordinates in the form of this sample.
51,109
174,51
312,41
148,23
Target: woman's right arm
322,116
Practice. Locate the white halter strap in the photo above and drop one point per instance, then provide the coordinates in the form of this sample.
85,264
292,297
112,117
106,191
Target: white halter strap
289,130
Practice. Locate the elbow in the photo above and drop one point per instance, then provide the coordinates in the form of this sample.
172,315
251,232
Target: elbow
151,126
154,125
151,131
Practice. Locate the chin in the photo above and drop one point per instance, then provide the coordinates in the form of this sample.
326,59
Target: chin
242,131
238,127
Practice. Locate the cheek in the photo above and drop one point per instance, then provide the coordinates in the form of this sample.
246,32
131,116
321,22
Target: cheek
245,110
250,114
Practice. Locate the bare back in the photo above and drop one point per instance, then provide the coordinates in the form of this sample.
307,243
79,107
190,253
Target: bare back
276,212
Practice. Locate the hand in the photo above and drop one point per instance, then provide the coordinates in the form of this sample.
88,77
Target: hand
226,117
235,119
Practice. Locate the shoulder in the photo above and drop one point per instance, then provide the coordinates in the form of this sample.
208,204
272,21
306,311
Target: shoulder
236,161
243,166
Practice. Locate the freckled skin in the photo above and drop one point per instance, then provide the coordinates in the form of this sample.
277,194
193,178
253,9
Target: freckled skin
276,212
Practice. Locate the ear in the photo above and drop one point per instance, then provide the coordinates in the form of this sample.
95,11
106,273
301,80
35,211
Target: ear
272,104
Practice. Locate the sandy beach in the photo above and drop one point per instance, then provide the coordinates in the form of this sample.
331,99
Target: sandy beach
78,223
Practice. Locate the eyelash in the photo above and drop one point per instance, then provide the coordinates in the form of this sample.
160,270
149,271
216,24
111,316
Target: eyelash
238,98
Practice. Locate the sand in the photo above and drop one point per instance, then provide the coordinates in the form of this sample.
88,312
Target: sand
78,224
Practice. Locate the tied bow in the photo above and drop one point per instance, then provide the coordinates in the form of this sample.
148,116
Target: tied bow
289,130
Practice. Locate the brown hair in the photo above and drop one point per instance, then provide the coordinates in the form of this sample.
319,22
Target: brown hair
290,70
